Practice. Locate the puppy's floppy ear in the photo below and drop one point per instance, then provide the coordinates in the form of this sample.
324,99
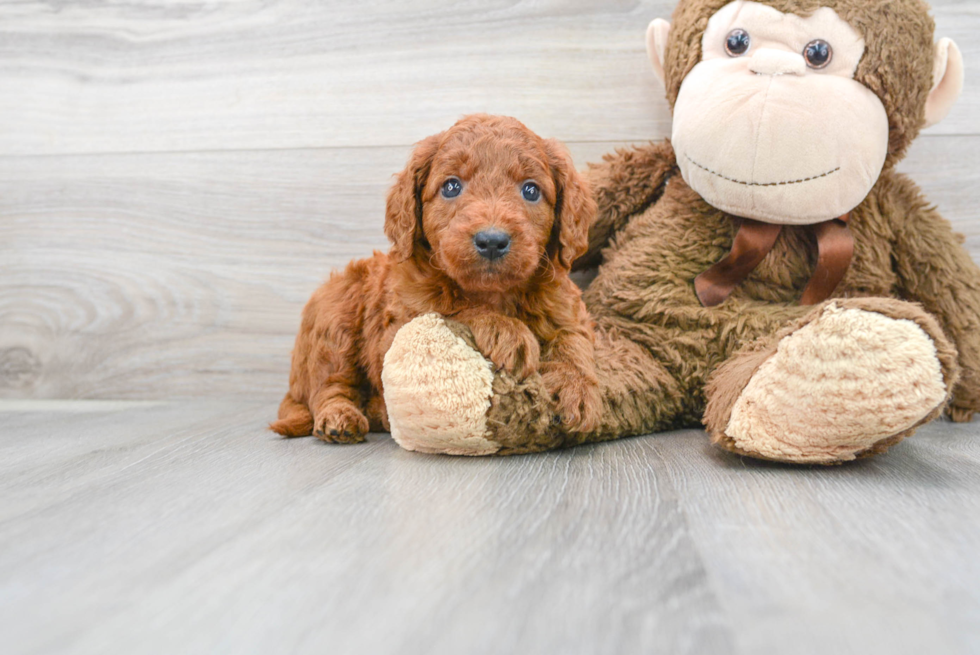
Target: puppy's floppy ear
403,211
575,209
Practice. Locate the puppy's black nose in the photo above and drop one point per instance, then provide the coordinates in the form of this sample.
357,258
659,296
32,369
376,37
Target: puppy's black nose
492,244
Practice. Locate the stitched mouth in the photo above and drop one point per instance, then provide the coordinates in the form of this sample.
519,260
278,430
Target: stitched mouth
783,183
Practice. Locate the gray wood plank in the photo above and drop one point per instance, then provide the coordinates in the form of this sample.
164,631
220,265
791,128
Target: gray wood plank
210,535
875,556
180,275
185,527
159,76
173,263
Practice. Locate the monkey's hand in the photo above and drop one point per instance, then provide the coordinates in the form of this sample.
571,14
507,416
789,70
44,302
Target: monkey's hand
966,398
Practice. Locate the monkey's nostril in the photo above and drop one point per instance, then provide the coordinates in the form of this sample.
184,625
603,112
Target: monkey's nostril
491,244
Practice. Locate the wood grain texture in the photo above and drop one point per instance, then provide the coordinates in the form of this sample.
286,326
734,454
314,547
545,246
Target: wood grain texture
195,75
123,274
187,528
892,539
177,275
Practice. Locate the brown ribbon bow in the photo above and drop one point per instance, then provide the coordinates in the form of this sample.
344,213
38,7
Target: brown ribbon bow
754,240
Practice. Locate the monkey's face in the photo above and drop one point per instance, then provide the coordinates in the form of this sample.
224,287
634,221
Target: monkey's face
771,124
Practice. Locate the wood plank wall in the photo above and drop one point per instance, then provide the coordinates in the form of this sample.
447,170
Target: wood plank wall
177,177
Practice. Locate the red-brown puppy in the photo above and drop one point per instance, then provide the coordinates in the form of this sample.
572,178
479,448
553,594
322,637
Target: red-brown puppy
485,222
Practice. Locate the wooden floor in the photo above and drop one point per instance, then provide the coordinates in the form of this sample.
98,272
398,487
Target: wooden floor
186,528
176,178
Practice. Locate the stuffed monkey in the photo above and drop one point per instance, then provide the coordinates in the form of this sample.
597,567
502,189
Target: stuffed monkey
766,272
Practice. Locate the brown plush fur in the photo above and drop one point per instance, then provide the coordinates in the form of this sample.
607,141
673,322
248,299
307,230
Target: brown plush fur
523,310
657,346
641,173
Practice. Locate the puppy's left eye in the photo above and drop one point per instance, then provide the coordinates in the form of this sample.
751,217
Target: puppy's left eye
531,192
451,188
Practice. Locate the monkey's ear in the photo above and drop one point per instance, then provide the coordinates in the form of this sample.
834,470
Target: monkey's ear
947,81
403,210
575,208
657,33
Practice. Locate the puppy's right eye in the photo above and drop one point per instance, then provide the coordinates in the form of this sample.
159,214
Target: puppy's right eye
531,192
451,188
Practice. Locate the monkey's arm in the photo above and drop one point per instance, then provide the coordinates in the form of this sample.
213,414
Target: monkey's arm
936,271
626,182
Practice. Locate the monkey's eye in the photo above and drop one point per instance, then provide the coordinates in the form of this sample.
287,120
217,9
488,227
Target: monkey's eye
451,188
531,192
737,42
818,53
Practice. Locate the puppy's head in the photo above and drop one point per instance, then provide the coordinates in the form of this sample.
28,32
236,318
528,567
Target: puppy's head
490,203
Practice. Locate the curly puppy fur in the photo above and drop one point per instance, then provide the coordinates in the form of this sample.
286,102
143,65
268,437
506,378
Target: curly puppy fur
524,311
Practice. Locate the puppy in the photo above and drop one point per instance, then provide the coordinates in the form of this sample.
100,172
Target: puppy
485,223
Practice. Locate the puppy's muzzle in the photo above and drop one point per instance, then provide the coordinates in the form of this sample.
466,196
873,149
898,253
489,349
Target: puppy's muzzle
491,244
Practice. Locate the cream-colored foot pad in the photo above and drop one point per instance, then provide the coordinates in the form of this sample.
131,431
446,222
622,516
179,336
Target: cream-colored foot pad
837,386
437,390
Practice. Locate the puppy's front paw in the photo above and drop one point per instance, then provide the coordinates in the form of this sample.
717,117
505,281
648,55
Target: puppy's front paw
510,347
576,397
340,422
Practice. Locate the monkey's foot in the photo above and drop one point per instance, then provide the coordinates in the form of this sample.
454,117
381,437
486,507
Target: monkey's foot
443,396
850,380
437,390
